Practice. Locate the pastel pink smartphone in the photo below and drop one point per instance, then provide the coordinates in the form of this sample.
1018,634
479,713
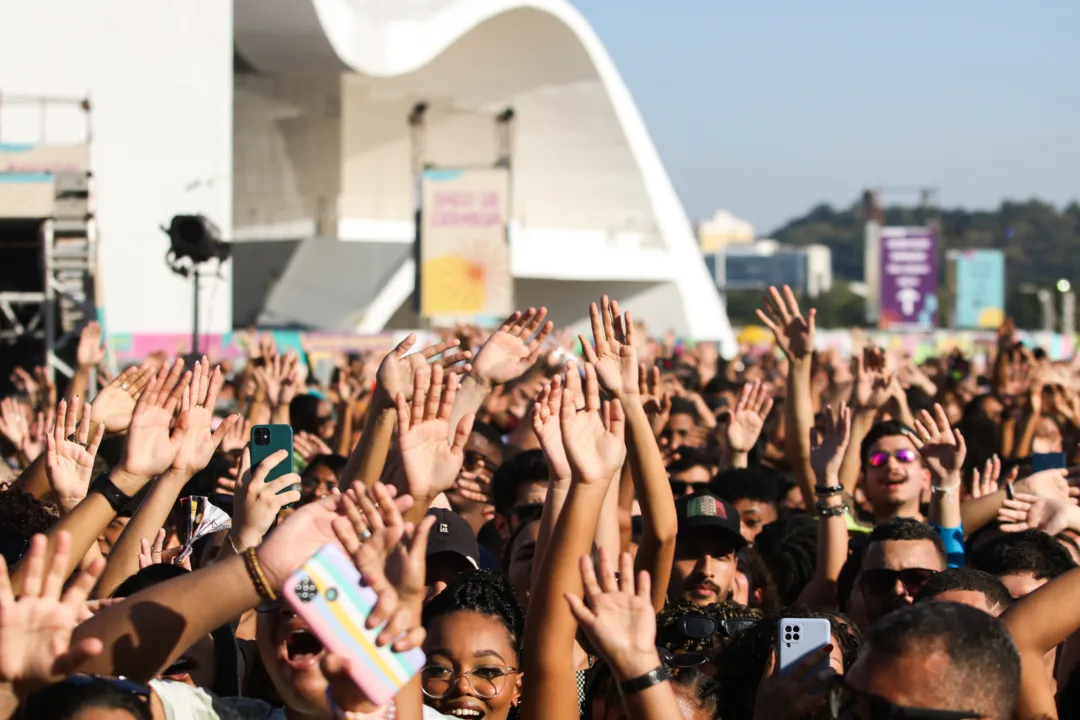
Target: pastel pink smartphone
326,592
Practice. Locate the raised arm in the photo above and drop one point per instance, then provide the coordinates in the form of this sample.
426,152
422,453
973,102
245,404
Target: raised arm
507,355
394,377
196,447
794,335
869,392
1038,623
943,450
617,616
826,454
149,630
149,450
431,454
595,450
616,362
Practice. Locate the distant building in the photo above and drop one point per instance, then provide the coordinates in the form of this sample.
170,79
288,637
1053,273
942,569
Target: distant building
754,266
723,229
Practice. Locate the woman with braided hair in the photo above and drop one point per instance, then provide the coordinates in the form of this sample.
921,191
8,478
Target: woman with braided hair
475,629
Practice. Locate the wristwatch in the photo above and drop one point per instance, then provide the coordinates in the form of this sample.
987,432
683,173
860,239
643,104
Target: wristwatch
646,681
103,485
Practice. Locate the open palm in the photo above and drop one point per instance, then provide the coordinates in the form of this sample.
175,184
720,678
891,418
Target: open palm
793,333
70,453
513,348
748,417
430,459
614,356
595,448
545,423
198,444
35,630
115,403
396,371
827,447
618,618
942,448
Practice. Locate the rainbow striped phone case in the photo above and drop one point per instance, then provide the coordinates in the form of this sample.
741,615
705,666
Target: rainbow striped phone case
326,592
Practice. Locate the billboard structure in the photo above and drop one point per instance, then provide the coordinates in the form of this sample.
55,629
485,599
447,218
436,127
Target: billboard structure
909,278
464,250
980,288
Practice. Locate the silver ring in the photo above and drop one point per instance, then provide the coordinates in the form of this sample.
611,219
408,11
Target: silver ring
365,534
123,386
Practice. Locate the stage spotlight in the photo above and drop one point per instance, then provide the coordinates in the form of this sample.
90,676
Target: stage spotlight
197,238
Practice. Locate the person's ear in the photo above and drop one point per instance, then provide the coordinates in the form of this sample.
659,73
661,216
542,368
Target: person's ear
517,689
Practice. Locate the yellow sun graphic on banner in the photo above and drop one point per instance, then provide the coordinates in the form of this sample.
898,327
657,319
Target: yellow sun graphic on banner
455,284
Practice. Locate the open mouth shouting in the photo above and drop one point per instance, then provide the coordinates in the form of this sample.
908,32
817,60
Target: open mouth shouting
301,649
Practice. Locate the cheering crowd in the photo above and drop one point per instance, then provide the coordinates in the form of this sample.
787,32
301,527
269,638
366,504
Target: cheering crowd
601,527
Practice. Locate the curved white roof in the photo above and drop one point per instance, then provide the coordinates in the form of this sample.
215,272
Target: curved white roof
391,38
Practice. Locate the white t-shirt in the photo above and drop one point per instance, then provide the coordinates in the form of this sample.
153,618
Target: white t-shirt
184,702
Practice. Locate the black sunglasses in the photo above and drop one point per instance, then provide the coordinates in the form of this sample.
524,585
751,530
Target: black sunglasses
847,703
882,581
702,627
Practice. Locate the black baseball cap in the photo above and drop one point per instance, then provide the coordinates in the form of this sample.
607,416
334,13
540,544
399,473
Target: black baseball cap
705,510
453,534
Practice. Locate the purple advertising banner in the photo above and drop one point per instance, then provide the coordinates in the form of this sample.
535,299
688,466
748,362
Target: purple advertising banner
909,278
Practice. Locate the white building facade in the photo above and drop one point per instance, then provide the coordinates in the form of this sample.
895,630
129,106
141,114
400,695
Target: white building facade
286,120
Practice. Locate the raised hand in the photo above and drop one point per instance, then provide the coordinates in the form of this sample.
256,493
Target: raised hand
988,481
280,378
654,398
614,357
34,444
795,694
431,460
151,448
942,447
616,616
35,629
1051,483
70,452
513,348
115,403
198,443
307,446
546,415
395,374
391,556
827,447
794,334
1031,512
748,417
237,436
594,442
90,351
872,379
257,503
14,424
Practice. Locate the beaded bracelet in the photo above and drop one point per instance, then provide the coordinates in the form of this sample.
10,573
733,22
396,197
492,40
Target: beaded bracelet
829,511
258,577
828,490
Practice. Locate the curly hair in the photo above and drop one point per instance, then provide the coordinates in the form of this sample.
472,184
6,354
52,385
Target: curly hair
484,592
669,636
789,549
23,514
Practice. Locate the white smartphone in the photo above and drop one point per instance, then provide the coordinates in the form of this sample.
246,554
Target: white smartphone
798,637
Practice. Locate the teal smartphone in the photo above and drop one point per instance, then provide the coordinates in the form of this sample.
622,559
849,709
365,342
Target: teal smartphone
267,440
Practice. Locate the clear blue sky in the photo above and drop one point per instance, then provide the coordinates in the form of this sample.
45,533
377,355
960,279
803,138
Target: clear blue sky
767,107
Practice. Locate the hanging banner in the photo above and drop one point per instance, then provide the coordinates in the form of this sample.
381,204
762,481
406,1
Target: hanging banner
464,250
909,278
980,288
